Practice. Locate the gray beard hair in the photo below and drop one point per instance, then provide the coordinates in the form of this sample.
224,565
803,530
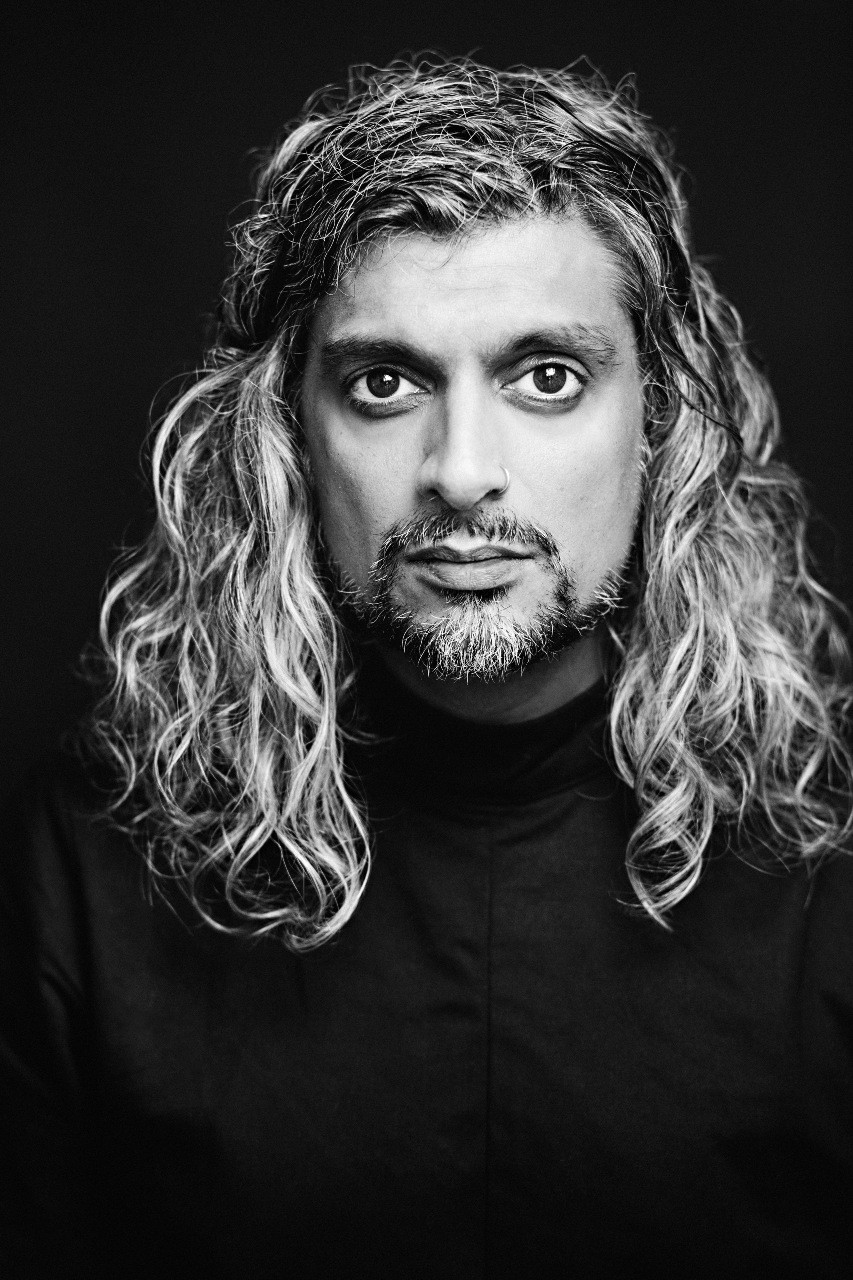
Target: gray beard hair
477,639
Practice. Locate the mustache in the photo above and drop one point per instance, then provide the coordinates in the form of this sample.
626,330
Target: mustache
495,525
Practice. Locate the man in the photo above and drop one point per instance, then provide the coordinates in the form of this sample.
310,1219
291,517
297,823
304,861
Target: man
479,723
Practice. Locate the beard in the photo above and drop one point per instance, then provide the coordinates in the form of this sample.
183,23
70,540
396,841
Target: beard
476,637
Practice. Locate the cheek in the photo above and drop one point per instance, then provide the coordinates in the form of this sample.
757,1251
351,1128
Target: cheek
621,484
354,498
599,503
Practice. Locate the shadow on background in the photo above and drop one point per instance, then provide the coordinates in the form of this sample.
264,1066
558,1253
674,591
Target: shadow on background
130,151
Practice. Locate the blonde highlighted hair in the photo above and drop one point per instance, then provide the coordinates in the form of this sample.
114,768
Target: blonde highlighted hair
226,665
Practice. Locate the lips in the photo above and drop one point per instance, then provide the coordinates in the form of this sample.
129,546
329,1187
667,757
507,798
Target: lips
451,555
477,569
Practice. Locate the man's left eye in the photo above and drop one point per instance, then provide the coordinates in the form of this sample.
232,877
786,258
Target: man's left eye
550,381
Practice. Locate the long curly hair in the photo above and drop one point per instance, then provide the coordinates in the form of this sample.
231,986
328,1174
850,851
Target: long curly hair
227,667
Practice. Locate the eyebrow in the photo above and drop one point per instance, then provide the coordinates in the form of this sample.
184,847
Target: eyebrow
590,343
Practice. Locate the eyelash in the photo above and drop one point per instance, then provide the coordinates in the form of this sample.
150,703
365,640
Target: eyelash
368,407
370,404
542,398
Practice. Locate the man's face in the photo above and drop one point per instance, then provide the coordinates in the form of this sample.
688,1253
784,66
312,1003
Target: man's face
436,369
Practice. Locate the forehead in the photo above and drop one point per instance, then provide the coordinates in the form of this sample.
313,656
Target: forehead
491,281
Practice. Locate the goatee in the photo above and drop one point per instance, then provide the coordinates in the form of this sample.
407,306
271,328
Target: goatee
476,637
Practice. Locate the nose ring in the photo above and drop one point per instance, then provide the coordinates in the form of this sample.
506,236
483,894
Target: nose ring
506,486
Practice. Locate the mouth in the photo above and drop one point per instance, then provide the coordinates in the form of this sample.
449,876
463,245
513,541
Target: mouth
445,554
472,569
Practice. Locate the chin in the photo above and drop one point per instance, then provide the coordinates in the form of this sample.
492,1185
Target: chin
479,639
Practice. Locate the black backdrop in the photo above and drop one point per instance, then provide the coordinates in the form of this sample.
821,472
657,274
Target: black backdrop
129,151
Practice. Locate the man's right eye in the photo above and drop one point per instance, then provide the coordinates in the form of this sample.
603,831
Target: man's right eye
382,385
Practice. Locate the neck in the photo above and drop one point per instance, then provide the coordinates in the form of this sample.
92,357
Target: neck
539,689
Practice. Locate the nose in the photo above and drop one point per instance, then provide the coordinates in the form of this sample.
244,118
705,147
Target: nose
462,465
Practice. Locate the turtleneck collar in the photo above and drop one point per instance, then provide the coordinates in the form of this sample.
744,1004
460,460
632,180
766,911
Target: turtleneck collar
426,750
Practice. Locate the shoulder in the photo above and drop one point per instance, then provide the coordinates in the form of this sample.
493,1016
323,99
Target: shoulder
61,799
78,904
826,1003
832,882
58,843
828,948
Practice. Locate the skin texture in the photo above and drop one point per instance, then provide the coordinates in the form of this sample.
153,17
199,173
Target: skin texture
461,326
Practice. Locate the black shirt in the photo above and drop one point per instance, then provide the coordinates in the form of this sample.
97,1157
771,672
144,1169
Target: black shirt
495,1070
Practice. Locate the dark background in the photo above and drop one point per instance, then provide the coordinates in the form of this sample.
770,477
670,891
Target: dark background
129,151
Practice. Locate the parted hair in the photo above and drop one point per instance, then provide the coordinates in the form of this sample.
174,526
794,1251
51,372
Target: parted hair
226,669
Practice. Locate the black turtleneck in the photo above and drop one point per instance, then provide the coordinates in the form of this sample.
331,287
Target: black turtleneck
498,1069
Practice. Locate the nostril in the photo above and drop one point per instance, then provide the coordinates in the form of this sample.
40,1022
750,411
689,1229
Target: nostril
462,487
